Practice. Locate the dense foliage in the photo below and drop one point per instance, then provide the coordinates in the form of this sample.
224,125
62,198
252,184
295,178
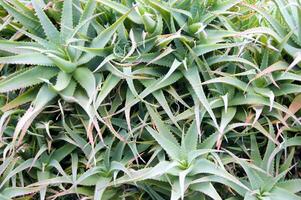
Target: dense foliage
150,99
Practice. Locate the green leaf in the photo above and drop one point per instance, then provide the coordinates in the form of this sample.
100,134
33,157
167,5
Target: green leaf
65,65
206,48
21,99
26,59
122,10
60,153
161,126
192,75
103,38
27,78
62,81
190,139
14,192
16,47
173,150
208,189
24,165
66,19
27,21
108,85
86,79
50,30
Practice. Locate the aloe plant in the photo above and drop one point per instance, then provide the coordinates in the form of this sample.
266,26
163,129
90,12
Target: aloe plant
149,99
54,55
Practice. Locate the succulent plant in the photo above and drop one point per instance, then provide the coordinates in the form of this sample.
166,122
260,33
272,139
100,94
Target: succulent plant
150,99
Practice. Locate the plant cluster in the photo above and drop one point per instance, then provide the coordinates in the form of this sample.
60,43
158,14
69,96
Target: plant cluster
150,99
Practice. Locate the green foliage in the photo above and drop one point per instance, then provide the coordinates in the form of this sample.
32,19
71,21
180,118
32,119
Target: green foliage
150,99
